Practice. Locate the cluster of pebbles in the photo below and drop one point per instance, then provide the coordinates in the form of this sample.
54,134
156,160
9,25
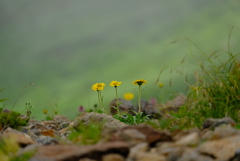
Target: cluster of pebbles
218,140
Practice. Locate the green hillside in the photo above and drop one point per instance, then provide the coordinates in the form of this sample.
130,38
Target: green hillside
66,46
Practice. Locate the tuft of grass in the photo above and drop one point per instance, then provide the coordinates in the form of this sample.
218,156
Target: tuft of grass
12,119
216,90
86,134
9,151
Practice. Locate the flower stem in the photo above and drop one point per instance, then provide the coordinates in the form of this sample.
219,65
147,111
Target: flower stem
139,99
99,98
117,100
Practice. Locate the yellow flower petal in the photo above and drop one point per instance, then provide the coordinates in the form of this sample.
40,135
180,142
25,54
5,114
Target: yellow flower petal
115,83
139,82
128,96
98,86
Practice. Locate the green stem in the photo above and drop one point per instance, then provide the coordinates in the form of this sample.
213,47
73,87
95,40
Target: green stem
139,99
102,103
99,98
117,100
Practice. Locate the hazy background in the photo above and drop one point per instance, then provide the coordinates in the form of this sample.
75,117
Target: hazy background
64,47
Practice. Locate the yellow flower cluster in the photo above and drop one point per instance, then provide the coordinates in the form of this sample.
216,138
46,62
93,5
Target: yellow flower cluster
139,82
98,86
115,83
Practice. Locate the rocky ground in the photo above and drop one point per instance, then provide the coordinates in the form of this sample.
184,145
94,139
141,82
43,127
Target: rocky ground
218,140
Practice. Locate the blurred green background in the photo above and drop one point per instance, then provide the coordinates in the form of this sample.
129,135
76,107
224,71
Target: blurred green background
64,47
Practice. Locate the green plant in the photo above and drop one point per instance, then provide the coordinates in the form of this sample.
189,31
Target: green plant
132,120
3,99
12,119
86,134
216,91
48,115
9,151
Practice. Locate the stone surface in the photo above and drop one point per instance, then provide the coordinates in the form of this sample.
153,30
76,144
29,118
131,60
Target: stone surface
124,106
108,122
221,149
149,109
113,157
139,148
219,140
73,152
213,123
146,156
46,140
178,101
63,125
152,135
191,139
21,138
133,136
225,131
60,119
194,156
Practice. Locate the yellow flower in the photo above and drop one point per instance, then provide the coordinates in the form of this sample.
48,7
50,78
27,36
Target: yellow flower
45,111
98,86
128,96
160,85
115,83
139,82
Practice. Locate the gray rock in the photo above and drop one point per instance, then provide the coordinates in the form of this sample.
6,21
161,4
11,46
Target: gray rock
236,157
213,123
106,121
113,157
46,140
221,149
21,138
74,152
139,148
133,136
152,135
191,139
124,106
149,109
63,125
60,119
194,156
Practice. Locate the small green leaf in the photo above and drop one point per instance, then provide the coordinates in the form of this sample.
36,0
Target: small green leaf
2,100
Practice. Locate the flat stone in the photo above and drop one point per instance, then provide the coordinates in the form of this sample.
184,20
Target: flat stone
139,148
133,136
194,156
148,156
152,135
221,149
191,139
213,123
21,138
125,106
113,157
73,152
